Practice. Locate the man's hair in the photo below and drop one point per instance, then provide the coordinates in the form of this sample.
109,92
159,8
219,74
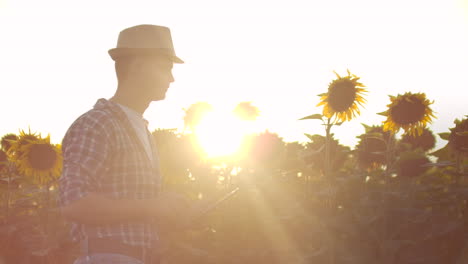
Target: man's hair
122,66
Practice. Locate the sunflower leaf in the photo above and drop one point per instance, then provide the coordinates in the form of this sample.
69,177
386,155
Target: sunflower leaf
374,135
443,153
315,116
366,127
309,136
312,137
444,136
462,134
439,164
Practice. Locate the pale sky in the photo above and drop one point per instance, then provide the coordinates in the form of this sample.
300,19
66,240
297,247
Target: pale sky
278,54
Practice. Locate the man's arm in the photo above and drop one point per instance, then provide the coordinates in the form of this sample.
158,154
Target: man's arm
95,209
87,148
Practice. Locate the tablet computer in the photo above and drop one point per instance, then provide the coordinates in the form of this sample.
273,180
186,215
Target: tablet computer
211,205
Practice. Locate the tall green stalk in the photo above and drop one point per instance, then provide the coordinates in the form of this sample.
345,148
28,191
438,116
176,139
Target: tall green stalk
327,148
8,198
390,153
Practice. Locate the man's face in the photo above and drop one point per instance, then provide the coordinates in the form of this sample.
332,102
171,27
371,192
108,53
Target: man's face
154,76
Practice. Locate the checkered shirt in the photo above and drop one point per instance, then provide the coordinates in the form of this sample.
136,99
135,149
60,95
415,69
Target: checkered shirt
102,154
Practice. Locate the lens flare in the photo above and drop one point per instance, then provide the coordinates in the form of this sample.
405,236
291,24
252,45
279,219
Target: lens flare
220,135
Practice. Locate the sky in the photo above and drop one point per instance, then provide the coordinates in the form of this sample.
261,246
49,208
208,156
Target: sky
277,54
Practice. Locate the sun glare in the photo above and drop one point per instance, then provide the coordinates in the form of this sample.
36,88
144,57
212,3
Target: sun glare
220,134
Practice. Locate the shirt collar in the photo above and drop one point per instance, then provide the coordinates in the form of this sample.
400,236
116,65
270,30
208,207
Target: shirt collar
104,104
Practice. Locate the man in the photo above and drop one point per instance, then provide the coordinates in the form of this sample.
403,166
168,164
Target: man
110,185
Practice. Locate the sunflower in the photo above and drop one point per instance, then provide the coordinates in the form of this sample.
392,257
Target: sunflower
7,140
410,111
425,141
344,96
412,164
458,138
40,160
14,151
195,113
372,146
263,149
314,153
246,111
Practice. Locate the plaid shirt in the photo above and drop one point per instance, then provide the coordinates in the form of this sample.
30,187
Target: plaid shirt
102,154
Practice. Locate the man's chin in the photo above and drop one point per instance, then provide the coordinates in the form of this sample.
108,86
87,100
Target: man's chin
159,98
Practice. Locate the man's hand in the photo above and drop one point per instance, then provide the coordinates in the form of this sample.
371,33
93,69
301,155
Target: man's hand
170,210
189,217
96,209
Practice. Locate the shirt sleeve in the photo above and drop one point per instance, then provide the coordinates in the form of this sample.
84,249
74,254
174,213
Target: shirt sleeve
86,149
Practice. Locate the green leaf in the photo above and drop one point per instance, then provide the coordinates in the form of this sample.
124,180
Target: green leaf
444,136
439,164
443,153
315,116
366,127
309,136
374,135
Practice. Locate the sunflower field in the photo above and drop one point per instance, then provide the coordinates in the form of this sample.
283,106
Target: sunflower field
392,198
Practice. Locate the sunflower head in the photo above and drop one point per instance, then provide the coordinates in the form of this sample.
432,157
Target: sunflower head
23,139
314,153
411,164
40,160
458,138
344,96
386,135
7,141
410,111
263,149
246,111
195,113
371,148
425,141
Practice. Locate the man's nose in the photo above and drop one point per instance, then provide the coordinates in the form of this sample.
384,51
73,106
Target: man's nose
171,78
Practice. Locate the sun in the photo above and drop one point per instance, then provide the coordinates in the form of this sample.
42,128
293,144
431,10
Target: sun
221,134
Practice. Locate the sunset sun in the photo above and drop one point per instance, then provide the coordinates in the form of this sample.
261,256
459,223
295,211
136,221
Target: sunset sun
218,135
221,134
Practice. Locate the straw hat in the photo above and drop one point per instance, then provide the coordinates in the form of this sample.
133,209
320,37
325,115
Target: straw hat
145,39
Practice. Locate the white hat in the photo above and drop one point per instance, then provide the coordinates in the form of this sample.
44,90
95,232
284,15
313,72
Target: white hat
145,39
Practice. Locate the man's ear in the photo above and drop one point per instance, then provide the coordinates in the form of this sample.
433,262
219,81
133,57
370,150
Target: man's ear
125,68
134,66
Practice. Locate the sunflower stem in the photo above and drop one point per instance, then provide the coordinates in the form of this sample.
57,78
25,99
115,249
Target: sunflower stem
8,198
47,212
327,148
390,153
459,167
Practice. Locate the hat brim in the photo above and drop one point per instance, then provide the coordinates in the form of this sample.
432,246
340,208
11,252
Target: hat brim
125,52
